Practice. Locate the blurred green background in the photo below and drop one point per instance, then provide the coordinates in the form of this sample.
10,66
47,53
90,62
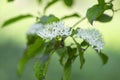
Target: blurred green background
13,39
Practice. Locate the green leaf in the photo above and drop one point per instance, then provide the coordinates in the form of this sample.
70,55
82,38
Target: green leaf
94,12
108,6
50,4
10,0
68,3
104,18
70,16
67,70
82,59
15,19
101,2
72,53
84,43
31,50
103,57
80,51
41,66
70,56
48,19
62,54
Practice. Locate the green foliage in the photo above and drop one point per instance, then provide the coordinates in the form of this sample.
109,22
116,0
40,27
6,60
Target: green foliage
41,66
68,65
68,3
15,19
84,46
35,45
103,57
94,12
67,54
101,2
104,18
48,19
98,10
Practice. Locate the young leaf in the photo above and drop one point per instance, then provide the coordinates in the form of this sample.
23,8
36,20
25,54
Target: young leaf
94,12
68,3
101,2
70,16
103,57
50,4
15,19
41,66
104,18
48,19
32,49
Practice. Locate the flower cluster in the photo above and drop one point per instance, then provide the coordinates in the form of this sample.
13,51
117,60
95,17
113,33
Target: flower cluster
50,31
92,36
58,29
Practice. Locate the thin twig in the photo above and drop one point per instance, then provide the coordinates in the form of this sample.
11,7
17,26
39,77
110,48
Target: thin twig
79,21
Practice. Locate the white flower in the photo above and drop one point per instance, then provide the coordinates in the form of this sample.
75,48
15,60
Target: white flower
92,36
53,30
35,28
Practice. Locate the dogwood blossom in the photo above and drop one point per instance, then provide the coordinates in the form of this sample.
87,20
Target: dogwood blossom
92,36
50,31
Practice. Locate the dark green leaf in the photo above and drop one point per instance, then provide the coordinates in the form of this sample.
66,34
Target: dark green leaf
48,19
101,2
72,53
41,66
108,6
82,59
68,3
70,16
31,50
50,4
103,57
84,43
15,19
104,18
10,0
94,12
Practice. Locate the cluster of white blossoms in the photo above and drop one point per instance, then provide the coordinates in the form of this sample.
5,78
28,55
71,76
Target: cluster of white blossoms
92,36
50,31
58,29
